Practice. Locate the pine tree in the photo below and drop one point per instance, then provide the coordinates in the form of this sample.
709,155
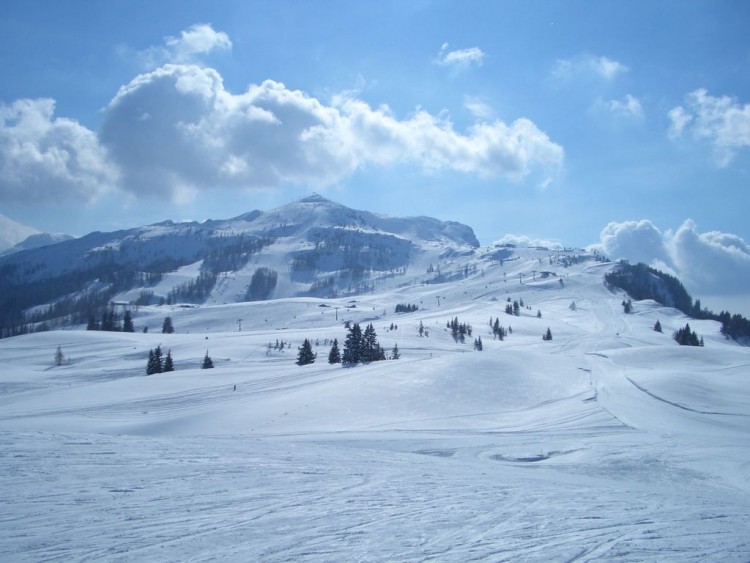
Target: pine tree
352,345
168,363
306,354
59,357
334,356
167,327
478,344
207,362
370,348
154,364
395,354
657,326
127,325
547,335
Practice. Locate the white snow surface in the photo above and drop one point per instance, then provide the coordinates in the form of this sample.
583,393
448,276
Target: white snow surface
609,442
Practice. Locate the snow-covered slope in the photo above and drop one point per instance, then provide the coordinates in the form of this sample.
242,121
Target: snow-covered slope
37,241
609,442
11,232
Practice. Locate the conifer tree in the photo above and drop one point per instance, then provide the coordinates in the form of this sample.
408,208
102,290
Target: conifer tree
59,357
168,363
154,364
547,335
306,354
207,362
352,345
127,324
334,356
167,327
657,326
395,354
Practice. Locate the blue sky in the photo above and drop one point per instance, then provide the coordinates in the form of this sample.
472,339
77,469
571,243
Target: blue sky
625,124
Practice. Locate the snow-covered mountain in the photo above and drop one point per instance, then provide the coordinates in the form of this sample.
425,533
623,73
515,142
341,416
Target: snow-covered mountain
309,247
37,241
12,232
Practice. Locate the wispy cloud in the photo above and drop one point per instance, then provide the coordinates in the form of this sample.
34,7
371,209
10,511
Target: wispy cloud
189,47
460,59
478,107
588,65
721,121
629,106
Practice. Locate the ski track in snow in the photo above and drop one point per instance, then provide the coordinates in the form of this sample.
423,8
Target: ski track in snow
608,443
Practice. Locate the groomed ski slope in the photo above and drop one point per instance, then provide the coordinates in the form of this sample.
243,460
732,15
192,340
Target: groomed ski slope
609,442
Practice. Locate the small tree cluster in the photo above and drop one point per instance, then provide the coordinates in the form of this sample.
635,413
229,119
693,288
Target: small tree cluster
361,346
687,337
167,327
111,322
459,331
478,344
305,354
157,364
513,308
497,330
406,308
423,332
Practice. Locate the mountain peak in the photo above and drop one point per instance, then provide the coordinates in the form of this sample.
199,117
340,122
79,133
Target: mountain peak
315,198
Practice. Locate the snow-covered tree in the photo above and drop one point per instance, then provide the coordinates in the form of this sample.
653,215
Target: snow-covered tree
167,327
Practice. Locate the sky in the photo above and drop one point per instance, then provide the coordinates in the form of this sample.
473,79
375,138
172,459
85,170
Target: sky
620,124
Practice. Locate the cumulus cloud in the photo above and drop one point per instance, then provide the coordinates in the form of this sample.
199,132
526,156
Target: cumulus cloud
637,241
177,129
721,121
460,59
712,263
191,45
44,158
588,65
629,106
524,241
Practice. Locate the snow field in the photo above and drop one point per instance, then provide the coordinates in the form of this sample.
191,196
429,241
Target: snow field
609,442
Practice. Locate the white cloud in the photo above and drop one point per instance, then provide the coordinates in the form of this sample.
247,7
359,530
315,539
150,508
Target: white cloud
588,65
524,241
176,129
629,106
43,158
460,59
712,263
722,121
192,44
478,107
